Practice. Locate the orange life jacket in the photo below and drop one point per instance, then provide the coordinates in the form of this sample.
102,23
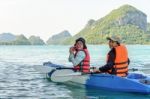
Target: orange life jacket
121,61
84,66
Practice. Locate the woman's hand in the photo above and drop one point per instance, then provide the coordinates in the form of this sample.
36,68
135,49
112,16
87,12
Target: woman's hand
72,49
96,71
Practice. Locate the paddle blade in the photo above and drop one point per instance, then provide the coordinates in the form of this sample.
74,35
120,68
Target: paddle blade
43,69
62,75
140,70
50,64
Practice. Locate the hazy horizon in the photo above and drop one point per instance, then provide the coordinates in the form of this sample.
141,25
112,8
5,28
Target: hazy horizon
45,18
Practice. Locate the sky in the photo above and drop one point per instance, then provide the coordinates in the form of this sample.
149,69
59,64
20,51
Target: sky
45,18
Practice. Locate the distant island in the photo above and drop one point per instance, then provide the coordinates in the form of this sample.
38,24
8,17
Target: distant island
127,22
10,39
59,38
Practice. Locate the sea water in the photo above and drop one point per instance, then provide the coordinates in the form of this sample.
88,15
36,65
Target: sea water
19,80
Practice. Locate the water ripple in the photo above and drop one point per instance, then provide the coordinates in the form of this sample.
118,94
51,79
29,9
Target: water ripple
19,80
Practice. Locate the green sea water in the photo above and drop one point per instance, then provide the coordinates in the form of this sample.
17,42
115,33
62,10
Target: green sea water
19,80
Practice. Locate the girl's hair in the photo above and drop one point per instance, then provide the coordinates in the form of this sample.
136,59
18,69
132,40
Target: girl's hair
83,41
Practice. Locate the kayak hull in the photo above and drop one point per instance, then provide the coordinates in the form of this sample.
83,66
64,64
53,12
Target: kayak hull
115,83
134,82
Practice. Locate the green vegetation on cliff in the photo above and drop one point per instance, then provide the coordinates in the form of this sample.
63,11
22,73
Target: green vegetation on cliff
10,39
21,40
127,22
35,40
59,38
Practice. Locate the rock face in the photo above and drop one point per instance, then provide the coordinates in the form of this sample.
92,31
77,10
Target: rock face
127,14
21,40
90,22
36,40
59,38
10,39
136,18
7,37
148,28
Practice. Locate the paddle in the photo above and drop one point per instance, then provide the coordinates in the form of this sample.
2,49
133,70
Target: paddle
66,75
62,75
47,69
138,69
145,71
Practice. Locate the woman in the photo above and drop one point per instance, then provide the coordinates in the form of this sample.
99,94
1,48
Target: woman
117,58
79,56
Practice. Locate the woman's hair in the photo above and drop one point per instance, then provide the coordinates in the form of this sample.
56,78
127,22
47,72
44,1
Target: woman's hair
118,43
83,41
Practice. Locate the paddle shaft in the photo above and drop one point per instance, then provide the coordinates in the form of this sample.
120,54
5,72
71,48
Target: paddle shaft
58,68
136,69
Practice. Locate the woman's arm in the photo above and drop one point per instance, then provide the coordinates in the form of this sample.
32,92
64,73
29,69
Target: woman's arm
78,59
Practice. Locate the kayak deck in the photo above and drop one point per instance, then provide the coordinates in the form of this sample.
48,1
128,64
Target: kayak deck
134,82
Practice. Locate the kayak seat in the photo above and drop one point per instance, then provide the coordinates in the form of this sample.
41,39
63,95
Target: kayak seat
136,76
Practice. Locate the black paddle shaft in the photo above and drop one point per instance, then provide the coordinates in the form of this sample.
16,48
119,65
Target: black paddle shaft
59,68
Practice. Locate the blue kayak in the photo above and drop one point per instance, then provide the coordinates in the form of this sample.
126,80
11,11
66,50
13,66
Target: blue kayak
134,82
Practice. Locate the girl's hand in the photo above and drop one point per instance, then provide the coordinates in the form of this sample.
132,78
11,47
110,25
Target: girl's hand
72,49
